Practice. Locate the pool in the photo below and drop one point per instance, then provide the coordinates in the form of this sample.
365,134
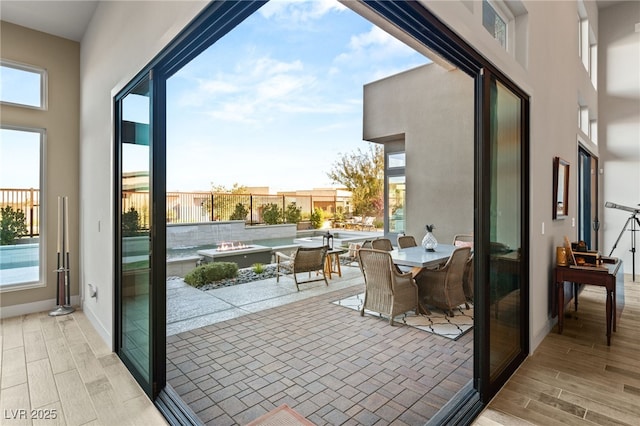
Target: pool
19,256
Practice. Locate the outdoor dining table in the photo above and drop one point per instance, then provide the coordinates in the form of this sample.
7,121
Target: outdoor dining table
418,257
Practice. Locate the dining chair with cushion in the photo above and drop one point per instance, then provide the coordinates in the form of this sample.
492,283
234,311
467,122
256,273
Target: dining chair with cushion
463,240
443,287
406,241
382,244
304,259
387,291
467,279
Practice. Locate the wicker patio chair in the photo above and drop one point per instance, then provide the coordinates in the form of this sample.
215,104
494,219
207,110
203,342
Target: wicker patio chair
304,259
443,287
463,240
406,241
382,244
386,290
466,240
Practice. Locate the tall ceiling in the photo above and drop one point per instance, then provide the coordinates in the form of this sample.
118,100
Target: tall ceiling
67,19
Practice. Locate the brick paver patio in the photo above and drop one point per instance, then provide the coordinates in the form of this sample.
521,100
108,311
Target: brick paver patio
325,361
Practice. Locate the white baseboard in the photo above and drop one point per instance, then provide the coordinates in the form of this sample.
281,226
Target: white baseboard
33,307
541,334
99,327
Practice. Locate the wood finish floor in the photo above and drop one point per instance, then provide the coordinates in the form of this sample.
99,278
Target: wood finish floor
575,378
58,371
60,363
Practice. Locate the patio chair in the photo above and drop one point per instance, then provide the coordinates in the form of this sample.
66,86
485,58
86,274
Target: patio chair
351,255
386,290
443,287
304,259
382,244
367,223
463,240
406,241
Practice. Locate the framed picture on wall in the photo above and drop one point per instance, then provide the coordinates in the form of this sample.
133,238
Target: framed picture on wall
560,188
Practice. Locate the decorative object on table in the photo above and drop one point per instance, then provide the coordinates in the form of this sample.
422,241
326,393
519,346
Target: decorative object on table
429,241
327,240
561,256
63,297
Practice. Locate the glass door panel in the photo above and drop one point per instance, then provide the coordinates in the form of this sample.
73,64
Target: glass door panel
506,288
134,339
588,223
397,199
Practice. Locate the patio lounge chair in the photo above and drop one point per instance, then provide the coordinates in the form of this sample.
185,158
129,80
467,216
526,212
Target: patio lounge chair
386,290
304,259
367,223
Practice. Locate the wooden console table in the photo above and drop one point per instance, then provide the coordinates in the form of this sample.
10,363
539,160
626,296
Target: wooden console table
604,277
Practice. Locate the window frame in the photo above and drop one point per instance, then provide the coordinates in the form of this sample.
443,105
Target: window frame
44,80
503,12
42,211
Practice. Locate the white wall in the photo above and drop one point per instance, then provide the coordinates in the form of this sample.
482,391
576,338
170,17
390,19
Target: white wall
619,123
121,39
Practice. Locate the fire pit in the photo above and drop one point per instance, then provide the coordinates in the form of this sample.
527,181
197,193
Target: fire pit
240,253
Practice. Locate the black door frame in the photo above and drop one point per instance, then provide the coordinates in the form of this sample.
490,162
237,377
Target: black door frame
219,18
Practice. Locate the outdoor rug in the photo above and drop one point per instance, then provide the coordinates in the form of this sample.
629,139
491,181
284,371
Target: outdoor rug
436,323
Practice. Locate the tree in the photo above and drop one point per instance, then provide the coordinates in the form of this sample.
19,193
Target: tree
226,200
13,225
130,223
362,173
293,213
271,214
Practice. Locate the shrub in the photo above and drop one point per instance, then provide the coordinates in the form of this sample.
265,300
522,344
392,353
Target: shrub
258,268
271,214
293,214
240,212
130,223
317,218
210,272
13,225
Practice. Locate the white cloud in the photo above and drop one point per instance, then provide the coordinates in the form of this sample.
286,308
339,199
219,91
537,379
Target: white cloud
299,11
376,45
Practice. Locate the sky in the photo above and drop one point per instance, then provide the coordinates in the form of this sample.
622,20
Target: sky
274,103
277,100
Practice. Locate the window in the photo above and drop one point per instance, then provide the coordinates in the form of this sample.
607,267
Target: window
395,189
494,23
20,195
397,196
396,159
23,85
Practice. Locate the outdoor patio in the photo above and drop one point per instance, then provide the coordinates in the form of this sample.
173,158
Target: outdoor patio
238,352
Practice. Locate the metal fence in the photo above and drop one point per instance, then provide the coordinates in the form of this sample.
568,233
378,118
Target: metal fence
189,207
26,200
192,207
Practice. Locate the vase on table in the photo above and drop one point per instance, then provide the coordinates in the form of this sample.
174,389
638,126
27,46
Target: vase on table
429,242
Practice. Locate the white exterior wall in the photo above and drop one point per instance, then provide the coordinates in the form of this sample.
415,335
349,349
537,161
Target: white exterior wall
121,39
432,109
619,123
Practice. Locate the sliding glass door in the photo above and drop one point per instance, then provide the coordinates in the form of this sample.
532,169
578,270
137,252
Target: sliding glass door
137,331
503,230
